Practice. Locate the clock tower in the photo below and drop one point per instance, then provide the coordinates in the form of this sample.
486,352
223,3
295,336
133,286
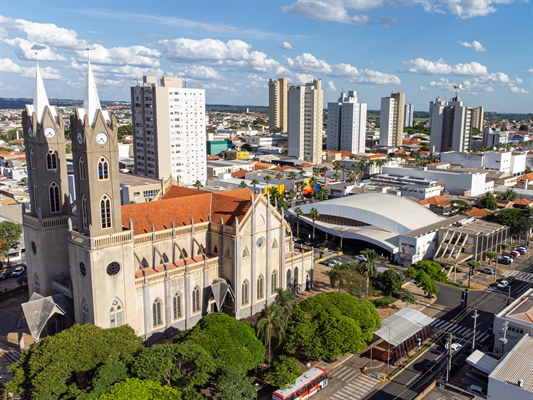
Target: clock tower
95,157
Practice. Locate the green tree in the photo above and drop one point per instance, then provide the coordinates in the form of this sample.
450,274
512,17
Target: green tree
475,264
267,179
390,282
508,195
254,183
491,255
229,341
10,236
243,185
517,219
284,372
298,211
425,273
136,389
124,130
277,199
279,176
409,297
198,184
314,214
46,369
286,299
346,277
488,201
368,267
233,384
272,320
292,196
459,207
331,324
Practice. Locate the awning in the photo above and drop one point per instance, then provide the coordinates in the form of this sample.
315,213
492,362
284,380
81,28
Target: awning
482,362
220,289
401,326
37,311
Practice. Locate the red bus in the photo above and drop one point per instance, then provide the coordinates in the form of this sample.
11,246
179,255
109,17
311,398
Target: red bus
306,385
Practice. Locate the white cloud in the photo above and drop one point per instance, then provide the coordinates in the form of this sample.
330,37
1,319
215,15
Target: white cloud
302,79
422,89
530,70
140,56
518,80
287,46
215,87
370,76
308,63
331,87
474,45
7,65
489,89
257,81
200,72
26,50
338,10
517,90
441,67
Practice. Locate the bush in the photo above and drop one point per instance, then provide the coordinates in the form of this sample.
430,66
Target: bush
384,301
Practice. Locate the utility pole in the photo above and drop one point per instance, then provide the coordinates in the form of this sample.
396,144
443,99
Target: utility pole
449,364
504,338
509,294
475,325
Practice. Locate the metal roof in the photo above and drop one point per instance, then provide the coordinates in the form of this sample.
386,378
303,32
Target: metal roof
401,326
517,364
482,362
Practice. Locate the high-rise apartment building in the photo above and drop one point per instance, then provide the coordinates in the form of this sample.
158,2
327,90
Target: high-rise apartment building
306,121
169,136
408,115
438,102
347,124
477,118
451,125
391,120
278,92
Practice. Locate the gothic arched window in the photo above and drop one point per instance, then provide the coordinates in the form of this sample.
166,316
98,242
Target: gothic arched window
51,160
296,276
105,210
196,300
260,282
32,159
245,286
289,278
164,257
35,196
103,169
37,284
274,283
53,195
176,305
156,311
115,314
81,166
144,263
84,211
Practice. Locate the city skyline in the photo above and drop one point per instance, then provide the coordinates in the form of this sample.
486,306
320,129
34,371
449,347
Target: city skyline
422,48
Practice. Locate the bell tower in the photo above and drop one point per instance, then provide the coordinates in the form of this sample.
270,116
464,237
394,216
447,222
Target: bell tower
95,157
45,226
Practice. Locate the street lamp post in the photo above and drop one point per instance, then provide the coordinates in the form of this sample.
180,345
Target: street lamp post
256,390
388,355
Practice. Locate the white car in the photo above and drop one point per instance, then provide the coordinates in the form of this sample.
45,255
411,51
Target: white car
360,257
478,391
18,271
455,347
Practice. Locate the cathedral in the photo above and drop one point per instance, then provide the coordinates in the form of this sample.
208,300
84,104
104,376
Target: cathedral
157,266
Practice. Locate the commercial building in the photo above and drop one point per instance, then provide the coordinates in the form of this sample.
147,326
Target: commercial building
493,137
347,124
392,120
408,115
278,92
169,130
478,117
306,121
451,126
514,163
157,266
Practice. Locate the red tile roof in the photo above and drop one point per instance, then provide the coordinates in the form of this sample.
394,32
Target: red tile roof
477,212
439,201
262,165
239,174
180,191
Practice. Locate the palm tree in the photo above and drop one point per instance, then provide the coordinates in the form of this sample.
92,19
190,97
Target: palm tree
313,181
272,319
254,183
368,267
298,211
336,176
314,214
337,275
292,196
243,185
292,175
508,195
268,178
352,176
286,299
279,175
198,184
302,174
343,169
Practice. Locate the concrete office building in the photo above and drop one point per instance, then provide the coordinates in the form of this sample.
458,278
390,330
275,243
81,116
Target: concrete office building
169,130
451,125
408,115
278,92
477,118
391,120
438,102
347,124
306,121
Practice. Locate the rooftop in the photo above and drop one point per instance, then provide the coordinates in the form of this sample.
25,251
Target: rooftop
137,180
518,364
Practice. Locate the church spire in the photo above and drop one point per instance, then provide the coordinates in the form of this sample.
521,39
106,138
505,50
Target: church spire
91,102
40,99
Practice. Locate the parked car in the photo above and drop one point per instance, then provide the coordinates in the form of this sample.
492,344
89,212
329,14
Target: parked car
504,260
430,366
478,391
360,257
18,271
489,271
510,279
2,276
502,284
509,258
514,253
332,263
520,250
455,347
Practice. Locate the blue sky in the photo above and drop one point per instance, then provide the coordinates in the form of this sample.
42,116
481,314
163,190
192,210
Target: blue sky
232,48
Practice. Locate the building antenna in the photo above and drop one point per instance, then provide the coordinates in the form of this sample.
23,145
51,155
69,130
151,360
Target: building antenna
137,80
457,89
37,57
185,83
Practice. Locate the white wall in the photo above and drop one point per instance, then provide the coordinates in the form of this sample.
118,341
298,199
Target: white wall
465,160
518,164
500,161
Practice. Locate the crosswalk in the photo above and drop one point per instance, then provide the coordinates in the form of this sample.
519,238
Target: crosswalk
458,330
518,275
357,384
12,356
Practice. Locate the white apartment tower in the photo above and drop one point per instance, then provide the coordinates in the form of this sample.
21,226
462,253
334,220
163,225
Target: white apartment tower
408,115
347,124
306,121
391,120
278,92
169,136
451,125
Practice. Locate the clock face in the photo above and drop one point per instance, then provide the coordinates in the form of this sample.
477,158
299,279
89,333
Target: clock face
49,132
79,136
101,138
